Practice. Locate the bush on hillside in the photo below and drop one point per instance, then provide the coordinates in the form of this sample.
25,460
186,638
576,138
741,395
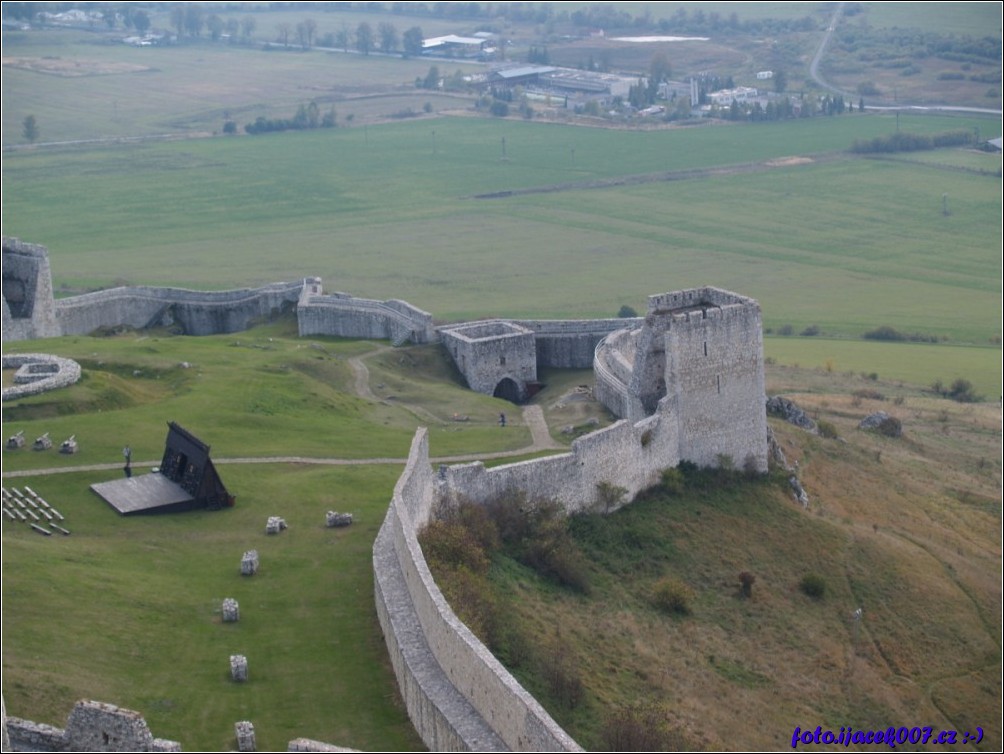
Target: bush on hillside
672,596
813,585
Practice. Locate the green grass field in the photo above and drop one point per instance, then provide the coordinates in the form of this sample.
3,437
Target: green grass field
143,597
861,243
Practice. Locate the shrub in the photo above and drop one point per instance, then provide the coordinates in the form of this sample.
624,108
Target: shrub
785,330
640,727
672,596
813,585
962,391
810,331
611,495
451,544
672,481
826,429
890,427
746,581
626,312
561,673
868,393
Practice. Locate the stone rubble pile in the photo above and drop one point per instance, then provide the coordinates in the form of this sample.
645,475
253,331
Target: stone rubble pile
338,519
231,610
274,525
249,563
239,668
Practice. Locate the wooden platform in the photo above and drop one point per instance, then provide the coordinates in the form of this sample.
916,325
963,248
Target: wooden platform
146,493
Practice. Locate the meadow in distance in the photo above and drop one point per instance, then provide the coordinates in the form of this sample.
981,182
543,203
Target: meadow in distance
383,207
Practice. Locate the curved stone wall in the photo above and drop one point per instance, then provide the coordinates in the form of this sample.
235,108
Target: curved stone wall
63,373
458,696
346,316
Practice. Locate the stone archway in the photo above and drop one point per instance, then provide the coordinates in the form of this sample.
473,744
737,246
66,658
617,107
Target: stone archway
509,390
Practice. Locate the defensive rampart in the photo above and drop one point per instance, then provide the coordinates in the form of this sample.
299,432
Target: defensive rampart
346,316
459,697
194,312
569,344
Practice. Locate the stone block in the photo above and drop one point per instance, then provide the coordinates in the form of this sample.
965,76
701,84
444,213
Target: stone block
239,668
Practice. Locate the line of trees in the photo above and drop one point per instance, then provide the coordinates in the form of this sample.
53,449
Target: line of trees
906,142
307,116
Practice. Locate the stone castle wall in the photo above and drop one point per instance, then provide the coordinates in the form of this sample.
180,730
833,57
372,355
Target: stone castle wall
346,316
91,726
569,344
195,312
459,697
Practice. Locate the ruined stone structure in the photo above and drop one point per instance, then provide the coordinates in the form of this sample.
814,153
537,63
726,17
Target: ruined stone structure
349,317
686,380
28,307
497,358
92,726
37,373
702,350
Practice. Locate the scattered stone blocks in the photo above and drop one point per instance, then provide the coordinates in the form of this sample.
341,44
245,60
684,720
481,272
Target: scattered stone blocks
244,731
231,610
249,563
239,668
275,525
338,519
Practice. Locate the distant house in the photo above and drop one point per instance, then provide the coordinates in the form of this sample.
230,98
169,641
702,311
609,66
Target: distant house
994,145
725,97
763,75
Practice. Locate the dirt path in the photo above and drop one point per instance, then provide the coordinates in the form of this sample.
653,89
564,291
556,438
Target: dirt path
533,417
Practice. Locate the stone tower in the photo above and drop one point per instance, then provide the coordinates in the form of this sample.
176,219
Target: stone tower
28,307
698,360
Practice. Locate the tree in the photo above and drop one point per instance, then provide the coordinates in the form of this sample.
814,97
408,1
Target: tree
364,38
431,78
659,71
194,19
216,27
780,81
141,21
30,130
413,42
388,37
342,38
247,27
178,19
305,31
282,31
